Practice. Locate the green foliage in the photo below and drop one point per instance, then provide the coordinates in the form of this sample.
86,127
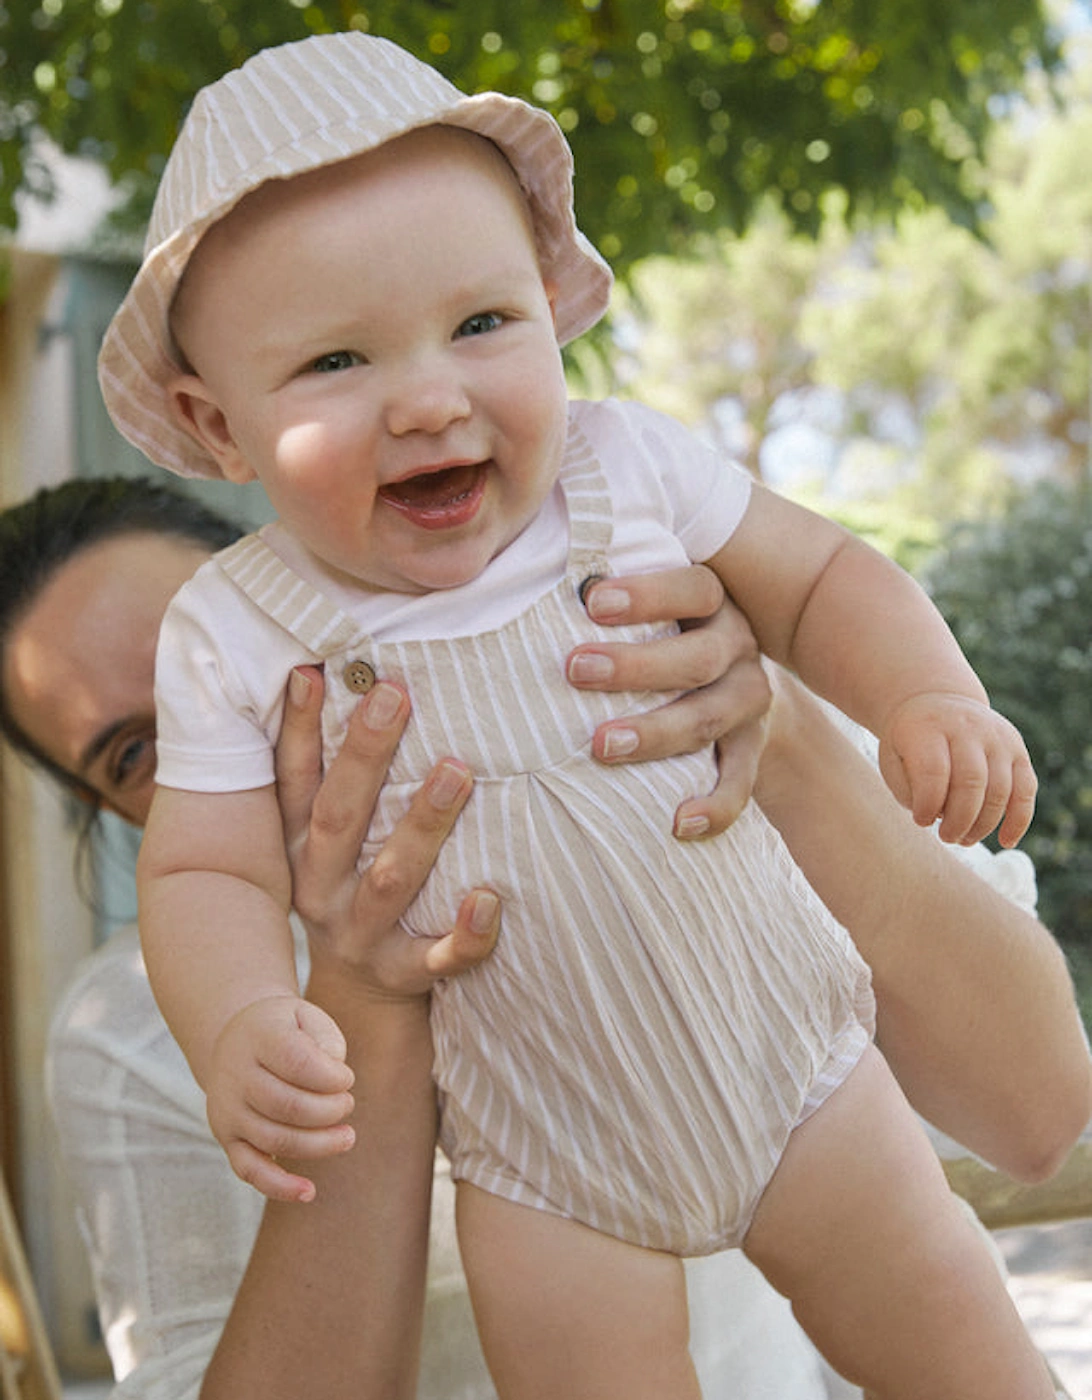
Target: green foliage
682,113
1018,595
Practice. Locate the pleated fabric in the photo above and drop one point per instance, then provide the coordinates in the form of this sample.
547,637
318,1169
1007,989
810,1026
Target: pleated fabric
658,1015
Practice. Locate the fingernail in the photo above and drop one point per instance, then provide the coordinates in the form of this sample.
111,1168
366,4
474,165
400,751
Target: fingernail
382,706
687,828
484,912
618,743
605,601
446,786
299,687
591,668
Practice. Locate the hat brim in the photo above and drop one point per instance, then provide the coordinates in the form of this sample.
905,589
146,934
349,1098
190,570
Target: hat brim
138,359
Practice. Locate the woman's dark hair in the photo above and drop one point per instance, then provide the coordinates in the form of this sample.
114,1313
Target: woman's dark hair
40,535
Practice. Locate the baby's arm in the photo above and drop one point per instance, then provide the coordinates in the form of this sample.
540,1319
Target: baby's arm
214,891
859,631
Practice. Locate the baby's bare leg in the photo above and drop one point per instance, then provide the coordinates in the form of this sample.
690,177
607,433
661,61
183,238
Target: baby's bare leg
565,1311
885,1273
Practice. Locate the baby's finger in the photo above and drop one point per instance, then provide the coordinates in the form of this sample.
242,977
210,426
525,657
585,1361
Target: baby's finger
298,1062
926,772
271,1100
286,1140
267,1176
968,785
1021,806
988,817
321,1027
998,795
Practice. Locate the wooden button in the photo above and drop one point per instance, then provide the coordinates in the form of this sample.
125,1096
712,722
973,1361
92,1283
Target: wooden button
359,677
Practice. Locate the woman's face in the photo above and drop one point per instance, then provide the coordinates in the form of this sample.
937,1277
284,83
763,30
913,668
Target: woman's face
79,668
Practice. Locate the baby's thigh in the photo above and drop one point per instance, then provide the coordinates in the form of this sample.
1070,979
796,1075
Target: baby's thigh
857,1177
564,1310
859,1228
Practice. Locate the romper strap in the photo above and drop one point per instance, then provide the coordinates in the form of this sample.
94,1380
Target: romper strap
289,600
588,505
324,628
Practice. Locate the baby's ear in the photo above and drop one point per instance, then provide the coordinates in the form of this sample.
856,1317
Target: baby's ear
196,412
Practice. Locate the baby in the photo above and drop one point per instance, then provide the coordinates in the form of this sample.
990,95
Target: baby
355,290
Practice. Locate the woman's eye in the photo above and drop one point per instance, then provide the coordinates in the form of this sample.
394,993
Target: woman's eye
481,323
336,360
130,759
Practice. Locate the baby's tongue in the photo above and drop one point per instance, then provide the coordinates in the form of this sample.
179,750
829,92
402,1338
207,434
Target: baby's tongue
436,498
430,488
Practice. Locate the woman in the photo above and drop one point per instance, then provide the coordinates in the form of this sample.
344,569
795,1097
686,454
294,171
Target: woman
77,636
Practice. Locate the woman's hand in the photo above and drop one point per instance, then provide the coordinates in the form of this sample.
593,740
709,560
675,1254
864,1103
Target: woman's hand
351,919
290,1332
714,659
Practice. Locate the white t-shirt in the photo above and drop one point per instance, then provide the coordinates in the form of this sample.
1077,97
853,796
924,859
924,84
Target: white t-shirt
222,666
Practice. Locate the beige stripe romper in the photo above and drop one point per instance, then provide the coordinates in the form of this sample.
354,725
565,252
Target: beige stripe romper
658,1015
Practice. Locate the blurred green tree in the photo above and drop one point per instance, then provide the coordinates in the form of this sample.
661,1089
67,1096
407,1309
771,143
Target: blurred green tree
682,113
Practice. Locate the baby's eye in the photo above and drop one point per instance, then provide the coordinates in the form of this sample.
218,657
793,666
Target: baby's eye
334,361
480,323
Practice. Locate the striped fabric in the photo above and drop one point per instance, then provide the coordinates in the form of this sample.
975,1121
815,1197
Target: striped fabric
292,109
658,1015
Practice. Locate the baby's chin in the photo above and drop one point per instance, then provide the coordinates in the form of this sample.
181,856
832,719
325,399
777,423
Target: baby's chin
455,565
442,571
442,579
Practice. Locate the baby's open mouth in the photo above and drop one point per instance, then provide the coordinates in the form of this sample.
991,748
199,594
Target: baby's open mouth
438,500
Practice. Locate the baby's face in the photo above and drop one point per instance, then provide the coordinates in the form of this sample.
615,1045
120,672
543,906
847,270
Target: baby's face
374,343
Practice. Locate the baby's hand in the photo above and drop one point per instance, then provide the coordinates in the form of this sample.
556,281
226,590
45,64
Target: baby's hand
952,758
278,1085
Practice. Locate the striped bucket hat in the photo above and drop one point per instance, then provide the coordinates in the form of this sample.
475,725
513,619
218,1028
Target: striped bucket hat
292,109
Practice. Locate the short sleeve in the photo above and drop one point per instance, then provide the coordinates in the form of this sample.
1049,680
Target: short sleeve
221,668
662,471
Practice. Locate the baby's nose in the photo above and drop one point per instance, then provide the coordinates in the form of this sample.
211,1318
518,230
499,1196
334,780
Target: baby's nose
426,401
